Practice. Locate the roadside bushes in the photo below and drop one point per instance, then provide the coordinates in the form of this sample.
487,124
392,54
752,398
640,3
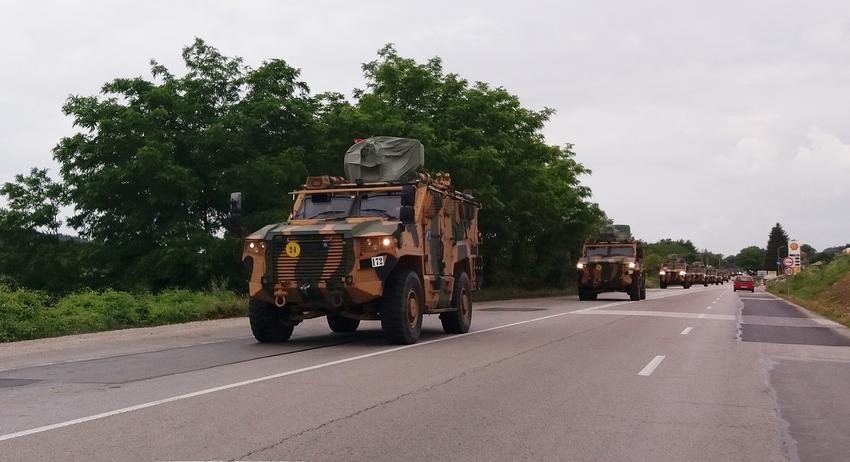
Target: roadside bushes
28,314
814,281
825,290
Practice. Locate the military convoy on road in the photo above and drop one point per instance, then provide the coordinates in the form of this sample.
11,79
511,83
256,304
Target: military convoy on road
385,243
674,272
612,262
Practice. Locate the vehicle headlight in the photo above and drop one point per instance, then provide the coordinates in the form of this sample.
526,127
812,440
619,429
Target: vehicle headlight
682,273
662,272
256,246
371,245
632,265
580,265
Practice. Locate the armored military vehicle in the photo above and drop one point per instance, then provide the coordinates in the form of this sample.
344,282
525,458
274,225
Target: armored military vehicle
674,272
711,275
611,262
384,243
697,271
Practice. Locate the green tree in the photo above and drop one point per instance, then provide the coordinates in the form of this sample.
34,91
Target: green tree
777,247
681,247
34,201
808,254
536,212
750,258
152,167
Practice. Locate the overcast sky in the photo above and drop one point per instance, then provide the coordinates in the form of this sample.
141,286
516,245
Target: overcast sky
709,121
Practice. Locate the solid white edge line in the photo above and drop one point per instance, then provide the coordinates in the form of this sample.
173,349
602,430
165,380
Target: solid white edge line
687,330
649,368
207,391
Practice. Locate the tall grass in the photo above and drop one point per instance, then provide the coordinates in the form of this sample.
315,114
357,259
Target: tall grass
28,314
810,283
823,290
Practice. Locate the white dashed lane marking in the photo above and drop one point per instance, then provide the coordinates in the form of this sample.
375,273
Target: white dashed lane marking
687,330
649,368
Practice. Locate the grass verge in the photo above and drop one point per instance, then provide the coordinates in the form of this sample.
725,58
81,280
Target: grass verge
27,314
824,290
508,293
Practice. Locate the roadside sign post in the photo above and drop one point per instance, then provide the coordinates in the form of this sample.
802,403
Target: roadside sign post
795,254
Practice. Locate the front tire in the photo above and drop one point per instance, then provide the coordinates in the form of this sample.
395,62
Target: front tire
585,294
341,324
267,322
402,308
458,322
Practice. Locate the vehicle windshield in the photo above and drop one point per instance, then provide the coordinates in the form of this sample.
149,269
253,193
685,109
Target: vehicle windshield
609,251
325,205
342,205
596,252
383,203
622,251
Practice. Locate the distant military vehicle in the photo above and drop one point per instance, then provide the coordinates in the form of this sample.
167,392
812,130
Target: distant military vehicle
697,271
385,243
611,262
674,272
711,275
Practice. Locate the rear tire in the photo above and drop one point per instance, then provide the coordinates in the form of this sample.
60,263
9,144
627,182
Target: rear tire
458,322
267,322
341,324
642,288
662,285
402,307
634,291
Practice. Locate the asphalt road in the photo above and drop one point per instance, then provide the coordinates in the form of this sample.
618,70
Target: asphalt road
698,374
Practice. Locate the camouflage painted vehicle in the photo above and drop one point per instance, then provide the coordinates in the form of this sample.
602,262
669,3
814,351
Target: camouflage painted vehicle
697,271
612,262
674,272
385,243
711,275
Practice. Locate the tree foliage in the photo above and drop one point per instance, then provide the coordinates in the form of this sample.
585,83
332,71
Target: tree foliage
750,258
149,172
34,202
536,211
777,247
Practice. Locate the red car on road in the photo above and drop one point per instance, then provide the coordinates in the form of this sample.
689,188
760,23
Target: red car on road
744,282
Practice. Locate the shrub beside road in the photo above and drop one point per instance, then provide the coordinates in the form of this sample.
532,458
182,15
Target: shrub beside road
28,314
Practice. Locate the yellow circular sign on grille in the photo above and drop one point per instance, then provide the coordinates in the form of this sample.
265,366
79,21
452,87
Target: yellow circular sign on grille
598,267
293,249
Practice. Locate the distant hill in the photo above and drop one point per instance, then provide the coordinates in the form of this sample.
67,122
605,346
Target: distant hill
835,249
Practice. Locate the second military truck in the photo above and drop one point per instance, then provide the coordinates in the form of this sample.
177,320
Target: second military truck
674,272
385,243
611,262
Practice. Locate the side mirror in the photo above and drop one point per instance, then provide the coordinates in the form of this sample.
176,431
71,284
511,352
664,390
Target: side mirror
234,216
406,215
408,195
